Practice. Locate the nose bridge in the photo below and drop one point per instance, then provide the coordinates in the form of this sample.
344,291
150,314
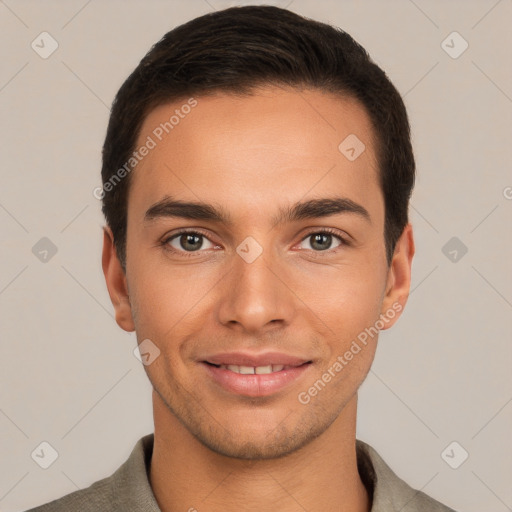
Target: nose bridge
254,296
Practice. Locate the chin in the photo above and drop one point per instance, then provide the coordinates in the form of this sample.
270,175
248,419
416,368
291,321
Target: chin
254,449
243,441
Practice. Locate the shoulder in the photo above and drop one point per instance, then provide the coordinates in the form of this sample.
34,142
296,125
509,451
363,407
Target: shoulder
128,488
98,496
391,493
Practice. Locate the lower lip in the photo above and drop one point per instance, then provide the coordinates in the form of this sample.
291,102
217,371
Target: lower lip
253,384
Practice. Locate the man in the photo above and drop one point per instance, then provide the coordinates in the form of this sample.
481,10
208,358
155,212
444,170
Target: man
256,174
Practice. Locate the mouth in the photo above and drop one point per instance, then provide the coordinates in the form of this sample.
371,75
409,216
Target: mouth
253,370
255,376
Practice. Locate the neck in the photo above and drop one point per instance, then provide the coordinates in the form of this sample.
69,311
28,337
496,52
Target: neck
323,475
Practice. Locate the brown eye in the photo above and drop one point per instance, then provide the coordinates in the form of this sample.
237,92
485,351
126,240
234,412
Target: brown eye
188,241
323,241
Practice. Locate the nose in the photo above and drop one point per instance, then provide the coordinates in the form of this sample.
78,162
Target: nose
255,296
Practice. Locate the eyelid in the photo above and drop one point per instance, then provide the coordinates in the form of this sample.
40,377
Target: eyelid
171,236
343,239
184,231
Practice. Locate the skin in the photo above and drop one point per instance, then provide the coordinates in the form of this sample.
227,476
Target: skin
219,451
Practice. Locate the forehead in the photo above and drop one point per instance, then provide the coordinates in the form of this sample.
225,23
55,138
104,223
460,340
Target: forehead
271,144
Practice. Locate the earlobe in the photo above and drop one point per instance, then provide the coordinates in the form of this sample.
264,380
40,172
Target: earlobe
399,277
115,279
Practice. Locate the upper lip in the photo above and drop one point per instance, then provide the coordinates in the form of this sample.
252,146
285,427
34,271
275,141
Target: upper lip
261,359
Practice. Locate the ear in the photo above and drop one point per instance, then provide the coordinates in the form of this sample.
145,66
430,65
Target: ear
398,281
116,282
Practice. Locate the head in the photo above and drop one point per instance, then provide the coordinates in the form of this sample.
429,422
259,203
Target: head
254,112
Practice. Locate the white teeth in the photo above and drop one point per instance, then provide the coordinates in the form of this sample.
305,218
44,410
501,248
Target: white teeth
250,370
260,370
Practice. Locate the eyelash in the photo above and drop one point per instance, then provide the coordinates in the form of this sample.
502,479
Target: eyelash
190,254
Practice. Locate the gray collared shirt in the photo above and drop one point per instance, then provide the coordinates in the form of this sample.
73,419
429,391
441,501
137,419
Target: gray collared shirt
128,488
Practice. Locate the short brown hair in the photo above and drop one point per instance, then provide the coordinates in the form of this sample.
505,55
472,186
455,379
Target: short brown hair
237,49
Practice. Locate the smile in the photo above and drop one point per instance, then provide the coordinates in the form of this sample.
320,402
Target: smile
255,380
251,370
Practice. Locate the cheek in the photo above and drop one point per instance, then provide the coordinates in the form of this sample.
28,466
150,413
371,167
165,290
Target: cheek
348,302
168,301
346,297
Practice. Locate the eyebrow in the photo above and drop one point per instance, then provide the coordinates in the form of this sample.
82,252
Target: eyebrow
311,209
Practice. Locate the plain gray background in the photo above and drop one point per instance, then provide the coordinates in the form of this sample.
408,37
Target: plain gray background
68,375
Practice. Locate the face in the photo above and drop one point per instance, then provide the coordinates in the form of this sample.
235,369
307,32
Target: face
267,282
